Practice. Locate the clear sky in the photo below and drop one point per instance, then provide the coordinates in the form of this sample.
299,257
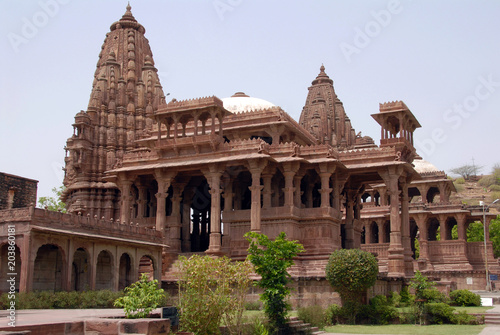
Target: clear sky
440,57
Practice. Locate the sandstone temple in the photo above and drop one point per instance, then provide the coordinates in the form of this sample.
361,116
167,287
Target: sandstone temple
148,180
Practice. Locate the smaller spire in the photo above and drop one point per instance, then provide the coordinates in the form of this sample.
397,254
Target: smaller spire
128,14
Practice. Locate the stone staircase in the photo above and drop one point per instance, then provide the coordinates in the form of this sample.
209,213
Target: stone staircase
492,318
298,327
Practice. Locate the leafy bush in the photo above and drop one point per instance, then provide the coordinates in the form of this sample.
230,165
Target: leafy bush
271,260
314,315
460,181
380,311
141,298
487,181
406,297
465,298
66,300
434,295
351,272
395,299
212,291
253,306
462,318
335,314
439,313
495,188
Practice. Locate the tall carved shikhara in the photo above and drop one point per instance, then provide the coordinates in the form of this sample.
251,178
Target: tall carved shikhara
324,116
126,90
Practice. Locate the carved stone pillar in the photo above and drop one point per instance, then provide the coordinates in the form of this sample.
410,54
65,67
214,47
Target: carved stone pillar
462,232
268,192
405,228
141,202
423,259
368,232
175,225
126,200
290,169
297,198
325,172
396,250
256,168
213,178
349,218
186,220
442,228
164,181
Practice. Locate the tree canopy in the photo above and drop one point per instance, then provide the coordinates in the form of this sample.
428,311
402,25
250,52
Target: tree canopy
53,203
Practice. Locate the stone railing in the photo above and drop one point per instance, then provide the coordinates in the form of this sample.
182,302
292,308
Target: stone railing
84,224
381,249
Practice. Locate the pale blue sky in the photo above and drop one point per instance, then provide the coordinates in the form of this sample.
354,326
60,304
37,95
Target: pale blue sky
434,55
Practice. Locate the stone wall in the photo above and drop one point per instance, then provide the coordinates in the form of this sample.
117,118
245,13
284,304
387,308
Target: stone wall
16,192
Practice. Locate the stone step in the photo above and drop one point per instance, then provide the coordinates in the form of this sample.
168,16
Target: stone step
492,318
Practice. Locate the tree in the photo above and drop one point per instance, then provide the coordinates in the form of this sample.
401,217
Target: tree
141,298
53,203
351,272
420,284
271,259
467,171
212,291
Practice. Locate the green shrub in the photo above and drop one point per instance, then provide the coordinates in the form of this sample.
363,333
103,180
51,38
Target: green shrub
62,299
465,298
434,295
462,318
460,181
495,188
406,297
395,299
487,181
140,298
314,315
253,305
439,313
381,311
334,315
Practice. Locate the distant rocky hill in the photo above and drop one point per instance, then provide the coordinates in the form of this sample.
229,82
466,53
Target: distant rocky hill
471,192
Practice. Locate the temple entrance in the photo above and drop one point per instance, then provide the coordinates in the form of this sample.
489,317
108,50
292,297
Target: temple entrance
48,273
6,262
414,236
125,272
80,271
104,271
196,216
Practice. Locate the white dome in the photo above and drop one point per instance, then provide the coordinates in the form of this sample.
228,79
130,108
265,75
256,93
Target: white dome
422,166
240,102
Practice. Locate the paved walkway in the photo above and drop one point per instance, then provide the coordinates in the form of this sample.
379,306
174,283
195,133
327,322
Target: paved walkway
48,316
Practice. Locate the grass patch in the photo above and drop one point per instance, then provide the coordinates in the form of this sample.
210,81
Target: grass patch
407,329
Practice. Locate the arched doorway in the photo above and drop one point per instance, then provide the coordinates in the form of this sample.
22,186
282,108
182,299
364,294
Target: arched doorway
125,272
49,269
80,271
104,271
10,255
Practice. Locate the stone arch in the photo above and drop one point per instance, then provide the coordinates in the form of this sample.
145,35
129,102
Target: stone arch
104,271
432,229
49,270
387,231
414,194
80,274
147,265
450,223
6,261
431,194
374,236
125,271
